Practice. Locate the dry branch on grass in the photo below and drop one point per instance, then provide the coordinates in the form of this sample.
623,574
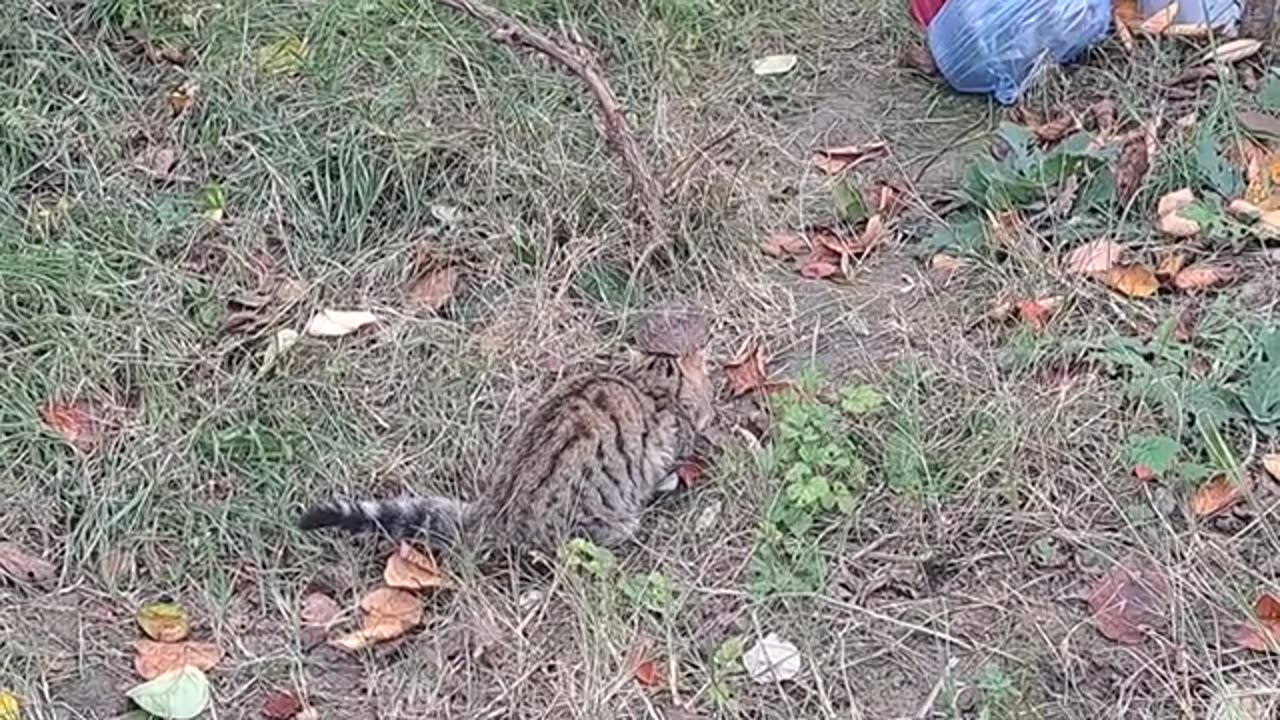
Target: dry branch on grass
580,61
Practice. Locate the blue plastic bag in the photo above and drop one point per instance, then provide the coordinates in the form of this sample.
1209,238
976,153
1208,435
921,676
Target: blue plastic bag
995,46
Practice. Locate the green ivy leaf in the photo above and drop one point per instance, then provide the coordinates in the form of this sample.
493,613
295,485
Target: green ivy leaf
1157,452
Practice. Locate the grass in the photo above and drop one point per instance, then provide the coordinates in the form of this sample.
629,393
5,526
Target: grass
342,137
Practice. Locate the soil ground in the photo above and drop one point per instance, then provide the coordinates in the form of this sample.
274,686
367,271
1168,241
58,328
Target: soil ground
343,138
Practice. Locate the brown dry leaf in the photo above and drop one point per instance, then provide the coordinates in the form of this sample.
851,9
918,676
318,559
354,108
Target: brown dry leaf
1263,635
1271,463
1056,129
1174,201
434,289
1160,21
885,198
1127,599
388,614
1171,263
1270,221
1095,256
823,261
1104,115
1168,221
647,674
784,244
1233,51
746,371
319,610
1133,280
1215,495
410,569
943,267
78,422
281,705
1132,165
22,566
1198,278
1036,312
154,659
164,621
835,160
182,97
872,235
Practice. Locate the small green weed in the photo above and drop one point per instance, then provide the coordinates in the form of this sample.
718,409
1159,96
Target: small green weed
652,592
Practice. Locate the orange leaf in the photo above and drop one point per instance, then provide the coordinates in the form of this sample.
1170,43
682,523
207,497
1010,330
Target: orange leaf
164,621
1203,277
1095,256
154,659
784,244
646,673
1214,496
1132,280
1264,634
1036,312
389,613
1170,265
746,371
76,422
434,289
1267,608
412,570
835,160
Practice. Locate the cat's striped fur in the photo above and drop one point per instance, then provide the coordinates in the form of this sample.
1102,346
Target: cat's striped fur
585,463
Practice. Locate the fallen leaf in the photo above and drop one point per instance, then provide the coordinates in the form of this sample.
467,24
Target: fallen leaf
1171,263
336,323
835,160
1128,599
872,235
10,709
154,659
22,566
918,59
1270,221
319,610
1262,635
1161,20
1245,210
410,569
388,614
646,673
1132,166
1271,463
1259,124
178,695
1214,496
1133,280
1174,225
773,64
1036,312
434,289
1203,277
281,705
746,371
78,422
1095,256
772,660
1233,51
784,244
1175,201
182,97
1056,129
164,621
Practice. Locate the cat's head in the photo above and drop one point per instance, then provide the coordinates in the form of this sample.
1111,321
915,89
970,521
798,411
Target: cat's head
685,380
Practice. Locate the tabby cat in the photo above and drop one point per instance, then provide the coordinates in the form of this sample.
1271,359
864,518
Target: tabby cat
585,463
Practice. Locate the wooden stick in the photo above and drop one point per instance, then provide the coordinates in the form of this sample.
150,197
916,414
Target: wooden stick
582,63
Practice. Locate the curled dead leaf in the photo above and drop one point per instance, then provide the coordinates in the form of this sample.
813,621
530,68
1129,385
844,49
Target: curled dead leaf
154,659
1215,495
388,614
784,244
646,673
1056,129
1133,280
410,569
1171,263
1198,278
336,323
1128,599
22,566
1233,51
1132,165
746,371
1263,634
319,610
835,160
1036,312
433,290
1174,225
1172,202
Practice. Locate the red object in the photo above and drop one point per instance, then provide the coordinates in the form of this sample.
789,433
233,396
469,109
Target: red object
922,11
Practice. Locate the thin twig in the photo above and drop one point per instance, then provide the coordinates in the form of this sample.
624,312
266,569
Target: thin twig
582,63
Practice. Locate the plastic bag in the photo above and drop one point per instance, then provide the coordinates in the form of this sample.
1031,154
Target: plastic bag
995,46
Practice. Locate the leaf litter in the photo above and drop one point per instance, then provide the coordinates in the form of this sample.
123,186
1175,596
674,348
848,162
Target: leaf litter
388,614
164,621
23,566
154,659
1215,495
839,159
410,569
1262,634
1129,598
176,695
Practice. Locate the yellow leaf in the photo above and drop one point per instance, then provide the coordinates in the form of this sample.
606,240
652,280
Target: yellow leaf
166,622
9,707
1132,280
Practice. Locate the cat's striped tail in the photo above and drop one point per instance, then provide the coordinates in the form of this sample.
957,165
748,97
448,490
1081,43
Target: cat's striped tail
441,519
